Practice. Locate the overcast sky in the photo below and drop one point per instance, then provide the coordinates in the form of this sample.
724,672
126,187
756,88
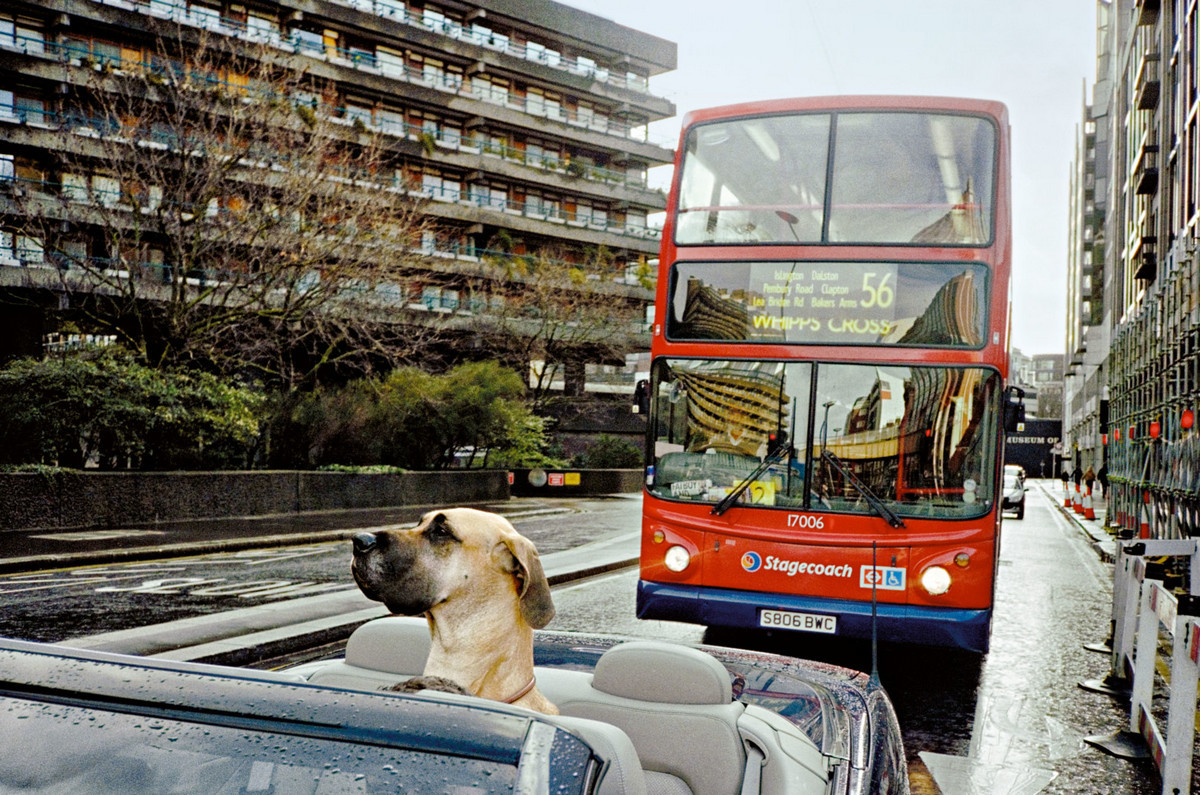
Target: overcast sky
1033,55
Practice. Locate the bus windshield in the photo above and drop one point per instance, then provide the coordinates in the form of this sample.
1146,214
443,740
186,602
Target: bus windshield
895,177
921,439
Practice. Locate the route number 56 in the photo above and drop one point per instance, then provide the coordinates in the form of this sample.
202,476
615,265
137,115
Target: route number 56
880,295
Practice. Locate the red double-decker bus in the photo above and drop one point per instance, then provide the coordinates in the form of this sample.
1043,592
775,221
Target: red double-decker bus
827,385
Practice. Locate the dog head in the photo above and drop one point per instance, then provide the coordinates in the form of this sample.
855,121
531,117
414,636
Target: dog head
455,553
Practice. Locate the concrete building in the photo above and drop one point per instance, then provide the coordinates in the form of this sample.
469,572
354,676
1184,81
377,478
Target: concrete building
1084,396
516,120
1133,354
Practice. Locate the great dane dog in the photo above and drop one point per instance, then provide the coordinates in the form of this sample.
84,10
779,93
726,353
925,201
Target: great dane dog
480,585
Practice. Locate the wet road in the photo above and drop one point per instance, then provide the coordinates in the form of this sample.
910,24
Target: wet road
1011,722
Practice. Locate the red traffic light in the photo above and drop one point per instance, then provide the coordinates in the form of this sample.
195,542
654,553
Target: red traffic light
1187,419
1154,429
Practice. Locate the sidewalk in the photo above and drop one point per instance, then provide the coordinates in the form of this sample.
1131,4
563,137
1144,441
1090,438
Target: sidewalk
1102,539
253,635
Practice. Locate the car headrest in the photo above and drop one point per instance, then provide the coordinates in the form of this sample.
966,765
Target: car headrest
662,673
396,645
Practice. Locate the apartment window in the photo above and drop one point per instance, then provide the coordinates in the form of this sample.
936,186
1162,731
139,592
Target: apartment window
542,54
361,56
30,250
7,241
106,190
391,62
433,72
433,19
30,110
8,170
308,42
584,66
391,121
23,33
204,15
75,187
360,112
490,89
535,101
390,8
261,26
73,253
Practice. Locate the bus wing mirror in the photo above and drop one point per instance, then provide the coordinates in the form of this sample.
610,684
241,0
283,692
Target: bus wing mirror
1014,408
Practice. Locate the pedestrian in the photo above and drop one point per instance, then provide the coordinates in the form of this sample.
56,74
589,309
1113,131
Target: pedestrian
1089,478
1064,477
1102,476
1077,476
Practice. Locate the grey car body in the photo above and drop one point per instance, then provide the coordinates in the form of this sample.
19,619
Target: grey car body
84,721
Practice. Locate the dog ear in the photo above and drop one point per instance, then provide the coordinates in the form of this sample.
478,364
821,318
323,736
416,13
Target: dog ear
532,586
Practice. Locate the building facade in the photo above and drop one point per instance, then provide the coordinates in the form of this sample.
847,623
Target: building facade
520,125
1136,190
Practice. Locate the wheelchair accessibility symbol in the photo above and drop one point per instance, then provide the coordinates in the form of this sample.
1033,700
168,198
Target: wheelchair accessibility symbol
883,578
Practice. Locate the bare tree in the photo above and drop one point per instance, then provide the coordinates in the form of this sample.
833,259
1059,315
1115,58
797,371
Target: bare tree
562,315
211,204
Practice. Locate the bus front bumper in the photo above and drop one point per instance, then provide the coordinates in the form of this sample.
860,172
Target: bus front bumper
723,607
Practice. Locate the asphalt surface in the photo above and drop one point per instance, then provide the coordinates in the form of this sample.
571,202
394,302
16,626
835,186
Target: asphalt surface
570,550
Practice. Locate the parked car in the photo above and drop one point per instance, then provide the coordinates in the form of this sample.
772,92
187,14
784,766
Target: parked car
1016,471
1014,494
703,716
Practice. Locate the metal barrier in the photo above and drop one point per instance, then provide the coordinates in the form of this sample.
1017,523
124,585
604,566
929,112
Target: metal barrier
1141,608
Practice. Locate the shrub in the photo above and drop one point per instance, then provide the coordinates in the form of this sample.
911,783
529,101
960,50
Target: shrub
609,452
104,408
414,420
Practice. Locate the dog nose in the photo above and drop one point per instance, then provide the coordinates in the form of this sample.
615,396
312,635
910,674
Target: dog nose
363,542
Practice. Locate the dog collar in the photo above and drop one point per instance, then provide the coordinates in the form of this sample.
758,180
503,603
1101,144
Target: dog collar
524,691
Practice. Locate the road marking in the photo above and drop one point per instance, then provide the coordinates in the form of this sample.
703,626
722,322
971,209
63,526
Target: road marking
99,535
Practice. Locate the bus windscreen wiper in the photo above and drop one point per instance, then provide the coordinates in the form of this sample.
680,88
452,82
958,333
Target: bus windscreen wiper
773,457
875,503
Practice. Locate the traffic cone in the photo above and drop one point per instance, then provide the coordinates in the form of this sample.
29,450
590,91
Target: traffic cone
1089,511
1145,516
1077,501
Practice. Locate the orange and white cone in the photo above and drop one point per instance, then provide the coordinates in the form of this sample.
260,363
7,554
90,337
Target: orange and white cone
1144,531
1089,511
1077,501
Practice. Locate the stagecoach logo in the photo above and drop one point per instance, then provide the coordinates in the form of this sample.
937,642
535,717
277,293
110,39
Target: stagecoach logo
752,561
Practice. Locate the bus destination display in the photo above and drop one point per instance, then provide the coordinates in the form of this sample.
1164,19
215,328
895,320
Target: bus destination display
847,303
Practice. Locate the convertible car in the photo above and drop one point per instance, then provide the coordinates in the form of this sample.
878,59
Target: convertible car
637,717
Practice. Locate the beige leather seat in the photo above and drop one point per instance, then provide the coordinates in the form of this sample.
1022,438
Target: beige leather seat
673,702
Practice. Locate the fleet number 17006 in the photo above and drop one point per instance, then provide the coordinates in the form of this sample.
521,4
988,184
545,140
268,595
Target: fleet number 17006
806,521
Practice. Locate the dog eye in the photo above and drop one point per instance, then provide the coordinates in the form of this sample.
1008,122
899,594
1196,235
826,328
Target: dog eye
439,533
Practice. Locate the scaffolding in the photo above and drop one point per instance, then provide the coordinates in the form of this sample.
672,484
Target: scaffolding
1154,393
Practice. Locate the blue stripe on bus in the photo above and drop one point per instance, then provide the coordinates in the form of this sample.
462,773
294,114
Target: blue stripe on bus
724,607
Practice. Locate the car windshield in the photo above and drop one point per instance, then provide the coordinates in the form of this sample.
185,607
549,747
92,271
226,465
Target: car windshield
846,177
920,439
98,752
1011,482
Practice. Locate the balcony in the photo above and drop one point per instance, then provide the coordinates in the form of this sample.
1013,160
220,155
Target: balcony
1148,85
1146,171
1145,258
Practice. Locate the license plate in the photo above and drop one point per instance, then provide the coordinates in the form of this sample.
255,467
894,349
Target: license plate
800,622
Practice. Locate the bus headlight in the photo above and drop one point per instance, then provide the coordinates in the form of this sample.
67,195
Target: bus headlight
677,558
935,580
